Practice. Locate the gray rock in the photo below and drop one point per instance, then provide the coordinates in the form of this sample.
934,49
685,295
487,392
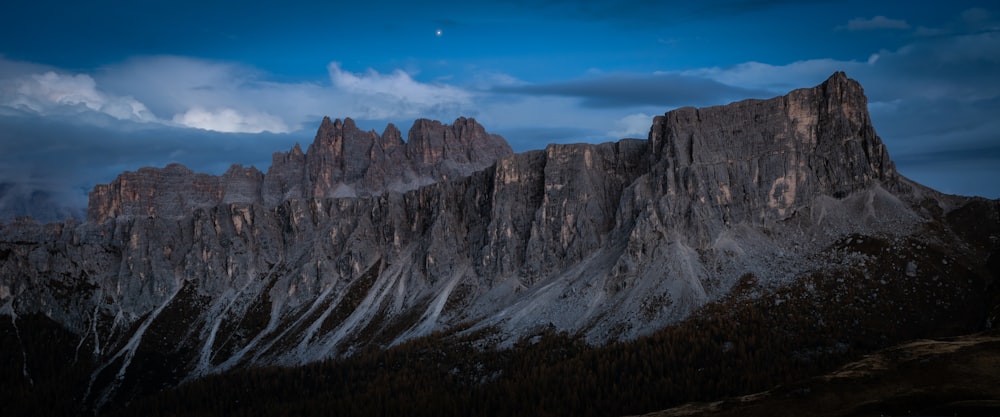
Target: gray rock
759,161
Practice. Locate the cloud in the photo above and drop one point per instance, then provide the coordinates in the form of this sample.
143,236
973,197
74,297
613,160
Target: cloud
961,67
976,15
198,94
61,159
971,21
52,92
775,79
215,95
875,23
632,126
949,145
622,90
397,94
230,120
225,97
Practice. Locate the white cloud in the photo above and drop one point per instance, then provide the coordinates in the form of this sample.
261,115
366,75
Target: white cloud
221,95
200,94
230,121
486,80
171,84
53,92
226,97
214,95
778,79
632,126
382,96
954,68
877,22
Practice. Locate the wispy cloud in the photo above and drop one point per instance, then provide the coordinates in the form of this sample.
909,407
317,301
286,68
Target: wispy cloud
931,101
775,79
632,126
381,96
665,89
875,23
963,68
50,92
63,158
214,95
976,16
224,97
230,120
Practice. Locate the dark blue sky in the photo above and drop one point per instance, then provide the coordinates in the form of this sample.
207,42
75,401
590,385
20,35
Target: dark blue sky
88,89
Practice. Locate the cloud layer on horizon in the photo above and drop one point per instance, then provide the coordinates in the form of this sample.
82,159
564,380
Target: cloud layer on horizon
219,96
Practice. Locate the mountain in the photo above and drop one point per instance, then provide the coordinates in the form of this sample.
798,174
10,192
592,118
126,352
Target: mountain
365,242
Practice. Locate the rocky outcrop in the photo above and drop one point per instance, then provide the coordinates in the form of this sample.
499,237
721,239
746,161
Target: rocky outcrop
759,161
365,240
342,161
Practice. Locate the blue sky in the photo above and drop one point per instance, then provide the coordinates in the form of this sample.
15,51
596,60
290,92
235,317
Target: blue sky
89,89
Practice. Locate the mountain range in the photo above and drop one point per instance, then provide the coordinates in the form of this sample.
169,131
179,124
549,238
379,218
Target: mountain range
368,243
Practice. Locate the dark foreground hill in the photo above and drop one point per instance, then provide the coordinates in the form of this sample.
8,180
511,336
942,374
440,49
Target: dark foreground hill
939,377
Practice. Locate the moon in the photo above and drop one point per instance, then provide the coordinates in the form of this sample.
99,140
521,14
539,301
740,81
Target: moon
438,33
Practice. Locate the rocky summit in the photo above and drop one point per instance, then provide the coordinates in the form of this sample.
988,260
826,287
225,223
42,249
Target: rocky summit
342,161
365,241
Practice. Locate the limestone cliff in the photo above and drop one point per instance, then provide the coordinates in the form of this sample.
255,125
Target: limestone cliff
758,161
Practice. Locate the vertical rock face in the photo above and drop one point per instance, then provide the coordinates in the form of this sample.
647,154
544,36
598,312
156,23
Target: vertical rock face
342,161
556,207
759,160
171,191
464,145
285,179
366,240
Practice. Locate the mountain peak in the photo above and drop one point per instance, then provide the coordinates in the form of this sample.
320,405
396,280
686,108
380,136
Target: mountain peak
464,141
758,160
839,77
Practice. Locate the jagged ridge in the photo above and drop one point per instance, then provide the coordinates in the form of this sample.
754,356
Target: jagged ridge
342,161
